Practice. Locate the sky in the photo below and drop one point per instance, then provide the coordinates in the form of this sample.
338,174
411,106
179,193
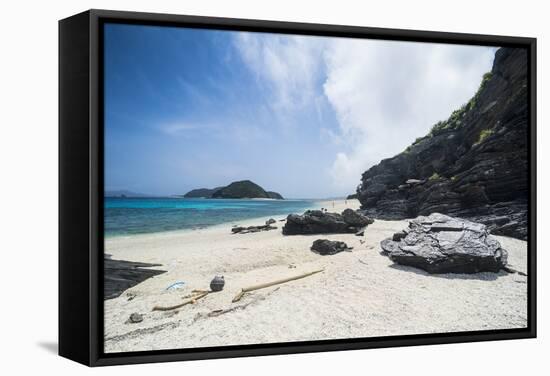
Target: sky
300,115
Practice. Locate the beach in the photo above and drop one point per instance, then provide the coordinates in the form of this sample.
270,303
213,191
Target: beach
359,294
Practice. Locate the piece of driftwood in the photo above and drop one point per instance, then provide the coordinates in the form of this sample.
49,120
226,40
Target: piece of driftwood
194,293
120,275
269,284
191,300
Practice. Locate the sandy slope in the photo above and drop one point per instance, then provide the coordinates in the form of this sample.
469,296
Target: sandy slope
360,293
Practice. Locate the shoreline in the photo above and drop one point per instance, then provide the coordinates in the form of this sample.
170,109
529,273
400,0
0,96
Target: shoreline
359,294
316,204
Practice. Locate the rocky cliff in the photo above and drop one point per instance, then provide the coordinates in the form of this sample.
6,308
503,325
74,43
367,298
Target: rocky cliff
473,165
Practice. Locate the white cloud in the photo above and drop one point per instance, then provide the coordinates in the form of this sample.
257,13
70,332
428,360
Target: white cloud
287,65
172,129
238,133
384,94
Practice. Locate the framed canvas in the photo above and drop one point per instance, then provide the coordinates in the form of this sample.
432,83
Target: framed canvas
235,187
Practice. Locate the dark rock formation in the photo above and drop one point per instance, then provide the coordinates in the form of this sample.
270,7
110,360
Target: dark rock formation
119,275
352,197
237,189
246,230
320,222
328,247
473,165
353,218
442,244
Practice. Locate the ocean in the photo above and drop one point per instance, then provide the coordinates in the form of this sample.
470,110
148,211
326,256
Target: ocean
127,216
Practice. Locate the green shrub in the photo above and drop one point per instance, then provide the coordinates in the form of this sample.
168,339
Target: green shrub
455,119
434,176
483,135
486,77
439,126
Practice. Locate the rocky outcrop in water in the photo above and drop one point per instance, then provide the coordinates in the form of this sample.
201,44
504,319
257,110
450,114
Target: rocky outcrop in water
473,165
320,222
442,244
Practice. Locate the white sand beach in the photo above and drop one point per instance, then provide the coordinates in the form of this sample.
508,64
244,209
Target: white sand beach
359,294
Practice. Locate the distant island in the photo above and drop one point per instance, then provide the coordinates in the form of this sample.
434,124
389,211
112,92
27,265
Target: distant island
236,190
124,194
201,192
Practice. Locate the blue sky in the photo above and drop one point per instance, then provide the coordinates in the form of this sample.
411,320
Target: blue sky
304,116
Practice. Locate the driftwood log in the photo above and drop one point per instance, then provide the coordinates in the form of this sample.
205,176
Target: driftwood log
269,284
191,300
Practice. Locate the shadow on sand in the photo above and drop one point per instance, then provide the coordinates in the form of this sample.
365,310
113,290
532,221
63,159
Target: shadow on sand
483,276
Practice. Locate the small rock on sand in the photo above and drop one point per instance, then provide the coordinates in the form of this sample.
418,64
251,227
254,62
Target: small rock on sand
135,318
329,247
217,283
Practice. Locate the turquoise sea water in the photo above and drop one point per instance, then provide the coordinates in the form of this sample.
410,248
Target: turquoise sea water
126,216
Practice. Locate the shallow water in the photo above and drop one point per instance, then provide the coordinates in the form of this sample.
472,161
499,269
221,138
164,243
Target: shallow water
125,216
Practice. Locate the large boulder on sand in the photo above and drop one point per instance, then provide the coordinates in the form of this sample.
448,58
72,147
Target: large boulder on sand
328,247
443,244
319,222
354,218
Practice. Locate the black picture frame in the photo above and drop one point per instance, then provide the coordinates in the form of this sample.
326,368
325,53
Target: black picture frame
81,187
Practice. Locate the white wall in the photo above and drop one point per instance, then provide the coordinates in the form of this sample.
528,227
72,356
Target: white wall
28,188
